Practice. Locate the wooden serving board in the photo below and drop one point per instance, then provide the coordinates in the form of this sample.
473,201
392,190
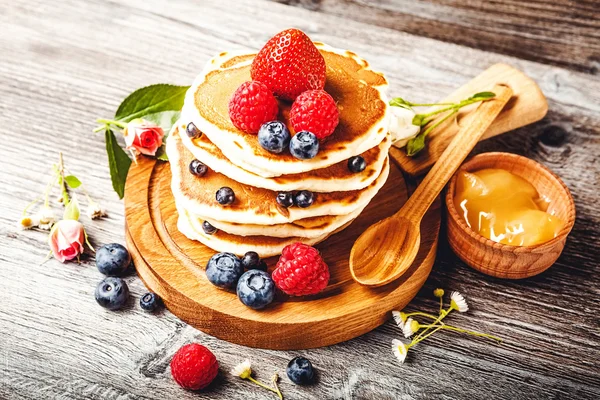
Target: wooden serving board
173,266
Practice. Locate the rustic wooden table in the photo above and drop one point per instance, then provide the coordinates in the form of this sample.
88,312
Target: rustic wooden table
65,63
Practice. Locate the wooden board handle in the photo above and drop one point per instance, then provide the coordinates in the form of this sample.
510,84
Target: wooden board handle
527,105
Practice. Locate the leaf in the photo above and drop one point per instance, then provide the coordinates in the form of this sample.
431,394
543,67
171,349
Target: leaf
164,119
419,120
415,145
161,153
483,95
150,100
72,181
118,162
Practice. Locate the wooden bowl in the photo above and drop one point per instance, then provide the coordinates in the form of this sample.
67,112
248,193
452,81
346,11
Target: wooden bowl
501,260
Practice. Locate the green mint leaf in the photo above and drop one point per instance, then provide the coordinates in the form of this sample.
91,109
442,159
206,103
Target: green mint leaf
150,100
164,119
72,181
415,145
118,162
483,95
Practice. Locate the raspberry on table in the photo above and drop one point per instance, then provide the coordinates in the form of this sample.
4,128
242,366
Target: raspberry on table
251,105
194,366
300,271
315,111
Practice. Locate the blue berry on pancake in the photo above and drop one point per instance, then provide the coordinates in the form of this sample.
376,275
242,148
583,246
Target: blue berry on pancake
208,228
274,136
285,199
304,145
225,196
192,131
198,168
357,164
304,199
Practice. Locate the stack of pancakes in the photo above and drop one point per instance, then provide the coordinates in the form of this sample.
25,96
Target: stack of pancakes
255,221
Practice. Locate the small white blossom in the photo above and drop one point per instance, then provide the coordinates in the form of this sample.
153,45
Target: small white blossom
29,222
47,218
458,302
94,211
400,350
399,317
410,327
243,369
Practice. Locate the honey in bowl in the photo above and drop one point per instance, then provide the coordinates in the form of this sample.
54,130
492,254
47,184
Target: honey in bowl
504,207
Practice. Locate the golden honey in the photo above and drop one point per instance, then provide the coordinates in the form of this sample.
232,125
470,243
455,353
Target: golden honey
504,207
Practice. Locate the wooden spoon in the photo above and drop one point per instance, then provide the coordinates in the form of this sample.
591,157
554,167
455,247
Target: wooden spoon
387,249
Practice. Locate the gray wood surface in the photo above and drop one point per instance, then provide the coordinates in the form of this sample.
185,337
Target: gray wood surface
67,62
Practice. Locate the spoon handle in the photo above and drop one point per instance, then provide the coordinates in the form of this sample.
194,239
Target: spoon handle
456,152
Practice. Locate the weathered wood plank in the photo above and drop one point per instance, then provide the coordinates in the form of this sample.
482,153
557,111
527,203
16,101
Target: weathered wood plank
66,63
563,33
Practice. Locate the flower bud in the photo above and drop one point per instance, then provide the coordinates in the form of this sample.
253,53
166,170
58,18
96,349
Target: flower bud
66,239
143,136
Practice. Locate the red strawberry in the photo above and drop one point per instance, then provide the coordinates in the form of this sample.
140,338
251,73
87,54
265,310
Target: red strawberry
252,105
300,271
289,64
194,366
315,111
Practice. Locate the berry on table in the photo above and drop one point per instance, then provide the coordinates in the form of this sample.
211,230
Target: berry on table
224,270
301,271
250,260
289,64
192,131
112,293
198,168
300,371
304,145
285,199
150,302
225,196
304,199
256,289
251,105
113,259
315,111
274,136
194,366
208,228
357,164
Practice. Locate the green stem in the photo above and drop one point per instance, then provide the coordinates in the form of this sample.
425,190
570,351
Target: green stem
262,385
63,184
421,338
274,380
120,124
421,314
438,319
441,303
439,122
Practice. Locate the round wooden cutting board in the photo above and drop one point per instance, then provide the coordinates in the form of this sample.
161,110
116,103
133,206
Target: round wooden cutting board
173,266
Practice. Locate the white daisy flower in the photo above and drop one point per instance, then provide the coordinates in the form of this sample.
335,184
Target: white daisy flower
458,302
94,211
410,327
47,218
243,369
399,318
29,222
400,350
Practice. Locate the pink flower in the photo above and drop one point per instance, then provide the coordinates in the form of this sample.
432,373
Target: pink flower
143,136
66,239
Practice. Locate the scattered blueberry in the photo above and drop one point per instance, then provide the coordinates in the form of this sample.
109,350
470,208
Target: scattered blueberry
208,228
256,289
300,371
192,131
274,136
224,270
225,196
113,259
262,266
198,168
357,164
304,145
285,199
250,260
304,199
112,293
150,302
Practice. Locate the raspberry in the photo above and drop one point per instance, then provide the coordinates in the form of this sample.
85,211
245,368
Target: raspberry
289,64
194,366
315,111
252,105
301,271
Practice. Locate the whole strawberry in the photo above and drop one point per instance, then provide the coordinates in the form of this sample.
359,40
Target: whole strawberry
289,64
251,105
300,271
315,111
194,366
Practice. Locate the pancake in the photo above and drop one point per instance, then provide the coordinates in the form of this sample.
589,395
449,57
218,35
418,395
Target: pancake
224,242
358,91
334,178
253,205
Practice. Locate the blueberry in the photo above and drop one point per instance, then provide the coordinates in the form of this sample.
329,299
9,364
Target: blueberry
256,289
285,199
304,145
357,164
192,131
208,228
198,168
225,196
112,293
150,302
262,266
250,260
304,199
224,270
300,371
274,136
113,259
